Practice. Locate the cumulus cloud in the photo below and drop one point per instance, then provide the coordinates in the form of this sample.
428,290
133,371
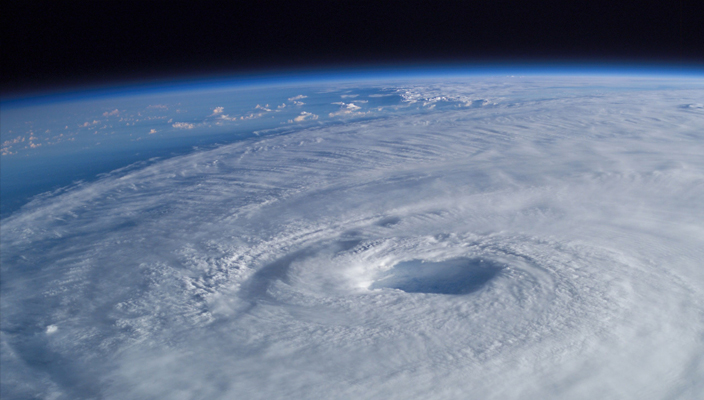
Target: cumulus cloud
299,97
346,109
218,110
183,125
111,113
305,116
88,123
263,108
152,131
252,115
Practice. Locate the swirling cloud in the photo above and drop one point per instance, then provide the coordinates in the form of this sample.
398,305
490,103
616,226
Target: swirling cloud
538,249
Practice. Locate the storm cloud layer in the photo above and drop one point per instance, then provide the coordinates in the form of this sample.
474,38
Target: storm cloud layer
546,242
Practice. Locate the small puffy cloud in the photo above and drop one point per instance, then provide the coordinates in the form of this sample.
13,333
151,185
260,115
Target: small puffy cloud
218,110
265,107
183,125
152,131
305,116
252,115
281,106
51,329
346,109
111,113
18,139
294,98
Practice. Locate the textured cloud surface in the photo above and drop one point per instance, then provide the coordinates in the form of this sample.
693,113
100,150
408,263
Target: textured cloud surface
545,243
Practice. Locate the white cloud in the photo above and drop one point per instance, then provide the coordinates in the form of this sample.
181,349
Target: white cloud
252,115
87,123
152,131
346,109
218,110
111,113
305,116
299,97
183,125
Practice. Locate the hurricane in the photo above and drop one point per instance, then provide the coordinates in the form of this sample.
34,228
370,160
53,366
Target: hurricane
504,238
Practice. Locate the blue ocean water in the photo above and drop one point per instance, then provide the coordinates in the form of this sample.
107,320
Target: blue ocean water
57,142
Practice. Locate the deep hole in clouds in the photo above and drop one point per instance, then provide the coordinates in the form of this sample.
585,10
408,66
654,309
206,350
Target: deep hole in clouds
459,276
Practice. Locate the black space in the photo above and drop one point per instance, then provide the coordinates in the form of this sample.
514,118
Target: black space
47,44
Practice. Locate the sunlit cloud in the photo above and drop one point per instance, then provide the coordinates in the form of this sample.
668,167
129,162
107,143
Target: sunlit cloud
305,116
183,125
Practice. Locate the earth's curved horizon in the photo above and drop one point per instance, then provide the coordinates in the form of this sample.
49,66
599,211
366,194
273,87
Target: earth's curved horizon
483,235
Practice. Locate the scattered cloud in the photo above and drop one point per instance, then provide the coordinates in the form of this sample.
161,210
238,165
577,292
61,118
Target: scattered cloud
217,110
346,109
18,139
299,97
349,96
252,115
111,113
152,131
305,116
183,125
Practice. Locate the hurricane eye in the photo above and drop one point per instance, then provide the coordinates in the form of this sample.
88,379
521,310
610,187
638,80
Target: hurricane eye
457,276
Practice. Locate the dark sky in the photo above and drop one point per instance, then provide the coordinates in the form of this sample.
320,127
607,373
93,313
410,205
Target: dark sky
45,44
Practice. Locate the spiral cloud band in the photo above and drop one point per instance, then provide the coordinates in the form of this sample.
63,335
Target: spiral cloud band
544,242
